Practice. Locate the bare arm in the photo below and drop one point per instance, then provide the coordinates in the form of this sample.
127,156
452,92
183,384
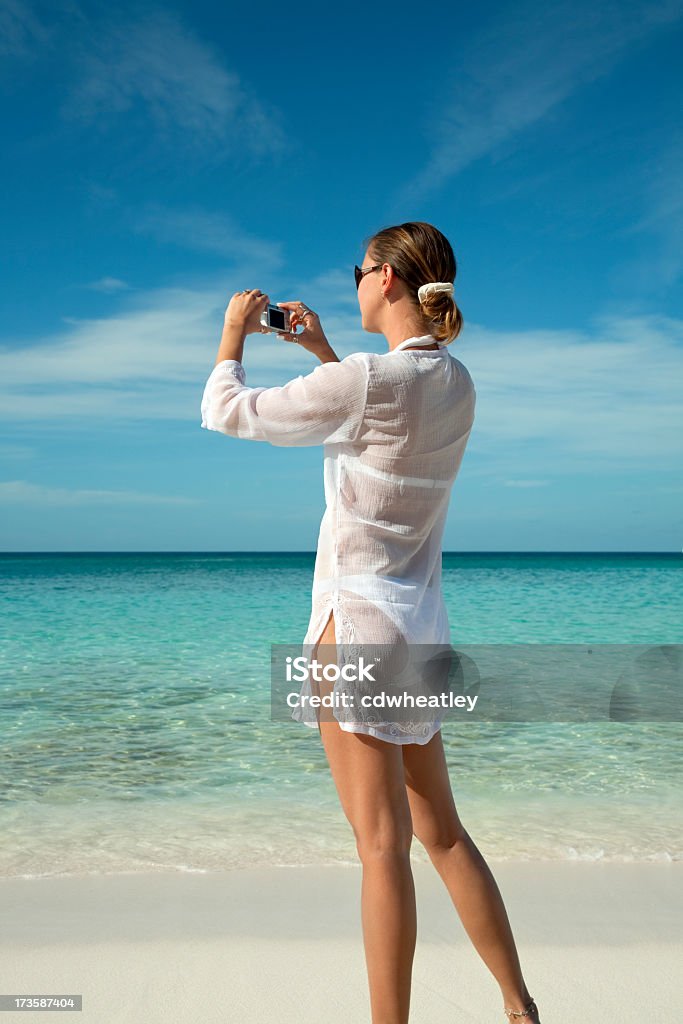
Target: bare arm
231,344
236,330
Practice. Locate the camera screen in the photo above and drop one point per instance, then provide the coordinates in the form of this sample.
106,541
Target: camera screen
277,319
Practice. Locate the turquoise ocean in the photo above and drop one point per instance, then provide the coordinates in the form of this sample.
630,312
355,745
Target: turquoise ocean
137,732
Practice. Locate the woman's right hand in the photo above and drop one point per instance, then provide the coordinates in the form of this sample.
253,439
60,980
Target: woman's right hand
312,337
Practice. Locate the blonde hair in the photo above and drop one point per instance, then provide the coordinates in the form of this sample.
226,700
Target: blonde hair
419,253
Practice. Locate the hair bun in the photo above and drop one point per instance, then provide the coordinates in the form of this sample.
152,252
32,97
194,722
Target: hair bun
422,257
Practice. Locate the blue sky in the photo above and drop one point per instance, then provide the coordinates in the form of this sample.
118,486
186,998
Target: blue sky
159,158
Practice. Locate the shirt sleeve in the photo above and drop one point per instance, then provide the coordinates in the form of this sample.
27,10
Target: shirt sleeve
325,407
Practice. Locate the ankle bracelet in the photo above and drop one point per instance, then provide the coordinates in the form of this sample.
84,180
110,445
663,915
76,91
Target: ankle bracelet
531,1006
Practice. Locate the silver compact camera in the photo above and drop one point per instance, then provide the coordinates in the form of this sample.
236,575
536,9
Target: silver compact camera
277,320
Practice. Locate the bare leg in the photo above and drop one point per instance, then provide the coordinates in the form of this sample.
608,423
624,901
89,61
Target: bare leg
466,874
369,778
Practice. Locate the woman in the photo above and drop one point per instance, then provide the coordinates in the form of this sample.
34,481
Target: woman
394,428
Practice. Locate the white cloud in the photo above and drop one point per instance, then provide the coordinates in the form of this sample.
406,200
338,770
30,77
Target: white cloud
208,231
574,401
656,267
22,492
130,365
17,451
161,75
513,73
22,34
108,284
571,399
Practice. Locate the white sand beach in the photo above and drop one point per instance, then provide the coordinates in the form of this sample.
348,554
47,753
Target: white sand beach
598,942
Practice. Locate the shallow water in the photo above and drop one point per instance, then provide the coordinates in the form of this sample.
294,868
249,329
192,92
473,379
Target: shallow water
137,727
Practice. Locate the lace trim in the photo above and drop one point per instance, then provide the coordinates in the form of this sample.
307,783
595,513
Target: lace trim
359,715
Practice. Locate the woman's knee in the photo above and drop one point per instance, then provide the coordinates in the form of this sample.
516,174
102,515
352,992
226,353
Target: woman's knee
383,842
436,824
440,838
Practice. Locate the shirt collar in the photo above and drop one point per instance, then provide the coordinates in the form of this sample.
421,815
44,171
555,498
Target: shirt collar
423,339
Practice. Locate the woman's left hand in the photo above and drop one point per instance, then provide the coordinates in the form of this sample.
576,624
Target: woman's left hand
244,311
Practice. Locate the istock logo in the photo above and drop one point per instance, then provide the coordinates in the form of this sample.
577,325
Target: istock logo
536,682
297,670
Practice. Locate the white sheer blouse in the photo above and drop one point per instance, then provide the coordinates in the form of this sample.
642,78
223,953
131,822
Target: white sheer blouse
394,427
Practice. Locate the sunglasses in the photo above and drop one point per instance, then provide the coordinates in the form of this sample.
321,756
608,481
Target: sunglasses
358,273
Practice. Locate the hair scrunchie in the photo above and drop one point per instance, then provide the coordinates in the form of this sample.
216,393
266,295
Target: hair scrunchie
435,286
